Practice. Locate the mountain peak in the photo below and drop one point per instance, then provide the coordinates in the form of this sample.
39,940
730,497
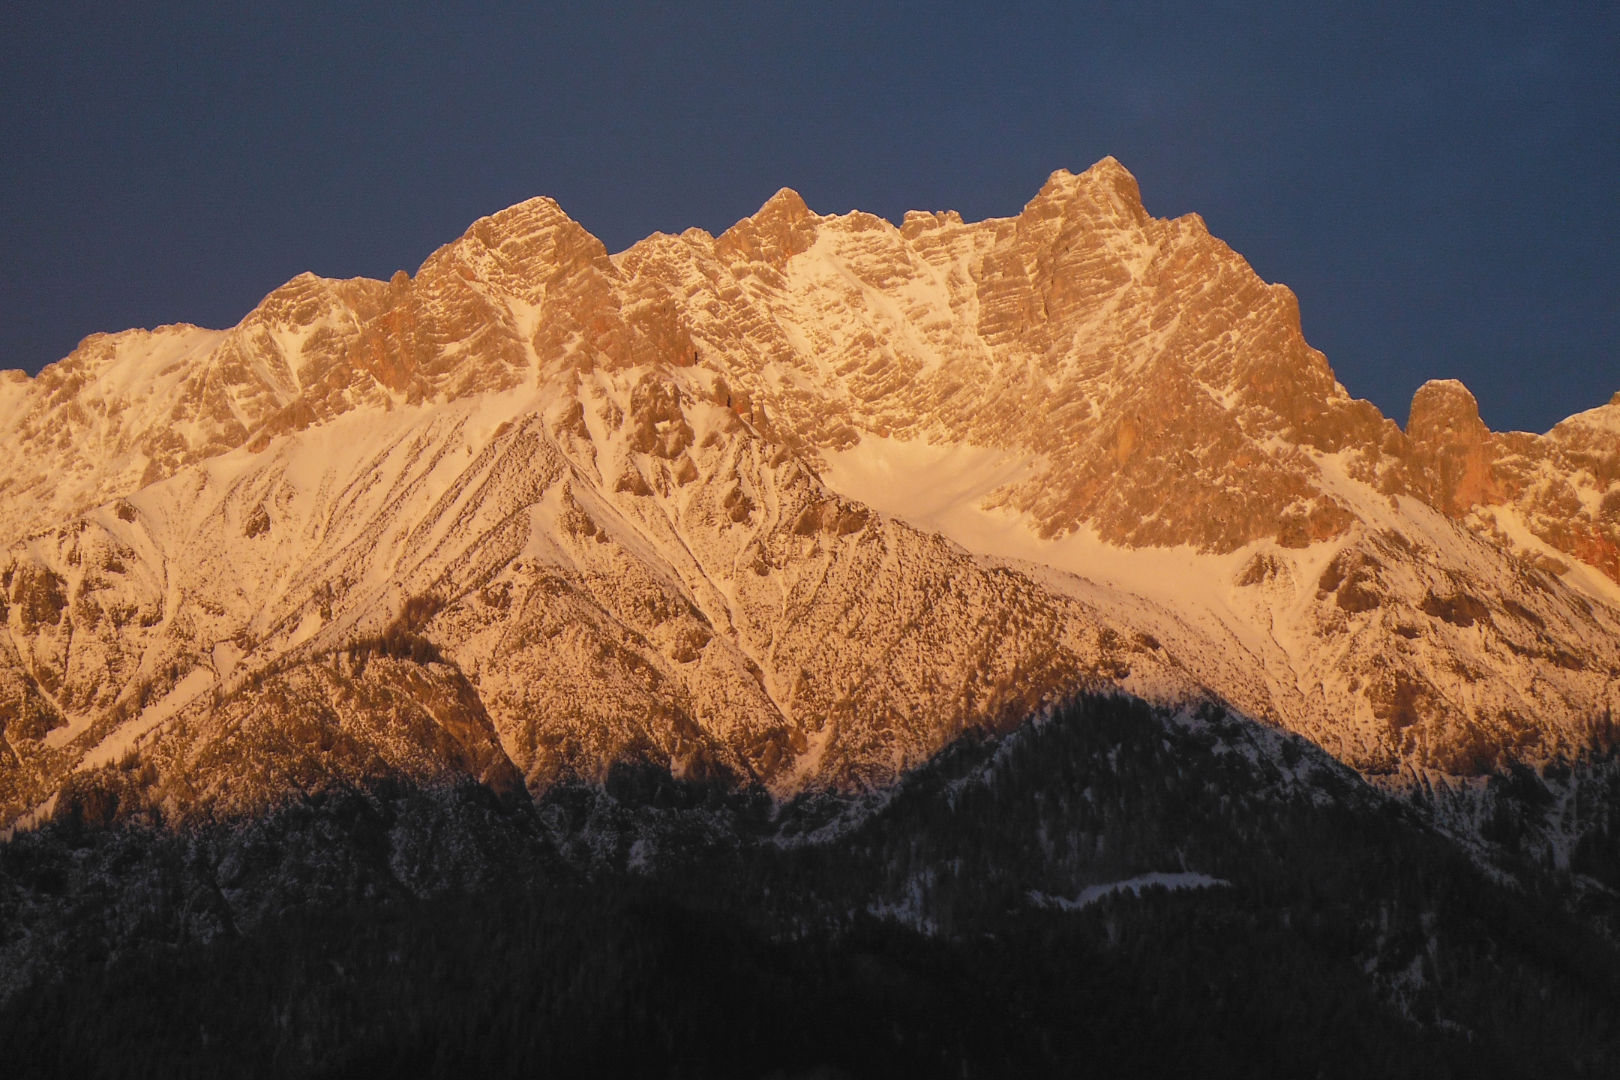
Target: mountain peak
1441,409
1107,183
540,209
1456,452
785,203
518,250
778,230
531,232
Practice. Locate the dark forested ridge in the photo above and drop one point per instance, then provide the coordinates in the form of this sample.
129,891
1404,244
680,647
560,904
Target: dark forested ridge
667,928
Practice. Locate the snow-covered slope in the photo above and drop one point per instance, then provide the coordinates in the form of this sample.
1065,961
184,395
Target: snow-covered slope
622,568
795,504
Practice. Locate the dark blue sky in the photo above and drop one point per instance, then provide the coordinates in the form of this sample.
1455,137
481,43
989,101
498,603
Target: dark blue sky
1442,191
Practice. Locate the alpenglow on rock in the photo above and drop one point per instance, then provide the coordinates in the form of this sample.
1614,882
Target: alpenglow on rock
796,505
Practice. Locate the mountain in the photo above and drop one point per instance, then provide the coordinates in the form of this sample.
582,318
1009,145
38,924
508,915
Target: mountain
941,630
793,505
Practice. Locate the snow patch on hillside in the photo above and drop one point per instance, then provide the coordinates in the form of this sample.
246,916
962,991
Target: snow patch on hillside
1092,894
1580,575
937,488
123,738
1186,597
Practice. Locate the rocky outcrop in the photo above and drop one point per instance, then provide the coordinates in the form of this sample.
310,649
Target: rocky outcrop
1454,453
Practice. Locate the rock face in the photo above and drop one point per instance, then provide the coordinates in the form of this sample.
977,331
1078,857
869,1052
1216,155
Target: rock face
1453,450
793,504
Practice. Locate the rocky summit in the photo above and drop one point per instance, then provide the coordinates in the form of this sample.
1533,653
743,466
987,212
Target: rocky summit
792,506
